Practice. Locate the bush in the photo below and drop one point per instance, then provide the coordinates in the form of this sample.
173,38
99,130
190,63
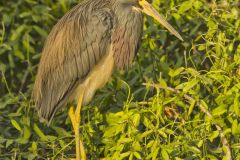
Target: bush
179,100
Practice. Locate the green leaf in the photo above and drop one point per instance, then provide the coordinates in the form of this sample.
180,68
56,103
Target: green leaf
137,155
201,47
194,149
39,132
191,71
136,119
114,130
155,154
26,132
9,142
162,133
150,143
200,143
197,4
40,31
16,125
146,133
25,14
212,25
19,54
219,110
124,155
214,135
136,146
147,122
235,127
61,131
188,85
174,73
16,34
125,140
185,6
204,104
191,107
131,156
165,154
34,147
236,105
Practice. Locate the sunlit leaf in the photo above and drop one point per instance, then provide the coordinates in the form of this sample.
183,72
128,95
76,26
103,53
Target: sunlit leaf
39,132
16,125
185,6
165,154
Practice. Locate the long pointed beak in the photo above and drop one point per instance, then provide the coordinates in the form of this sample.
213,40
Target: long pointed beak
149,10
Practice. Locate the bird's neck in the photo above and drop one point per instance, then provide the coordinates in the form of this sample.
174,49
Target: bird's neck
126,35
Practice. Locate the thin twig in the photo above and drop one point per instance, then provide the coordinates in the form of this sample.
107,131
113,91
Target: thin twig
203,109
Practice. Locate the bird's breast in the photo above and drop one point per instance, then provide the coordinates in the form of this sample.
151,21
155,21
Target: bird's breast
96,79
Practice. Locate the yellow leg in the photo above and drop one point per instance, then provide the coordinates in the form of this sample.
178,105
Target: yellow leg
75,119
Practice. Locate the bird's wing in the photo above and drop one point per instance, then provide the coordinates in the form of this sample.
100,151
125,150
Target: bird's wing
74,46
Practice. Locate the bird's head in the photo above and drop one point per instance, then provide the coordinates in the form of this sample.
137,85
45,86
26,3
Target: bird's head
145,7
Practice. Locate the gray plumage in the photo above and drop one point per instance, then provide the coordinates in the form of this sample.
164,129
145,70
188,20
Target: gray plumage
78,42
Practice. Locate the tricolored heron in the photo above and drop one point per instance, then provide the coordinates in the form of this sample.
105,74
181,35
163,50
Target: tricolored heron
81,51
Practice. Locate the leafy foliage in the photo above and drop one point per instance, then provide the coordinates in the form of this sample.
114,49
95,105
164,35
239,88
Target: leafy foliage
129,120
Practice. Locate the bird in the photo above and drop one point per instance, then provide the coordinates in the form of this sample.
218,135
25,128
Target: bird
82,50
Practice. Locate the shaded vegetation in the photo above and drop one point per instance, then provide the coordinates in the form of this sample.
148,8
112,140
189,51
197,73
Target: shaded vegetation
129,120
